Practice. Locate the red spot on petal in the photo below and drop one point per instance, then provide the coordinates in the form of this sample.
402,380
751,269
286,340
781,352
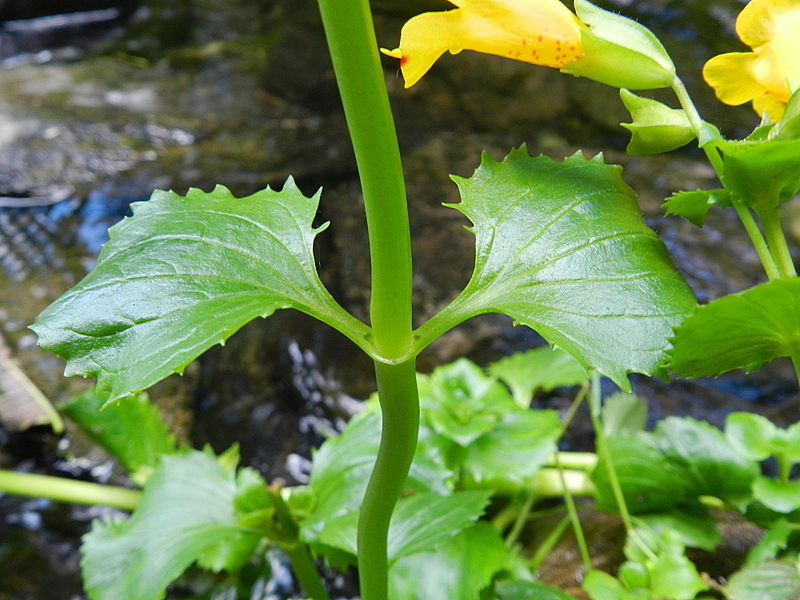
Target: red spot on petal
541,38
403,61
524,42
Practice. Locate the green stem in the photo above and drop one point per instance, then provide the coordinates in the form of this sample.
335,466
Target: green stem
68,490
604,453
354,51
288,534
776,240
572,511
397,390
759,243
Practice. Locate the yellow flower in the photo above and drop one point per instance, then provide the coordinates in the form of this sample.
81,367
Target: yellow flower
772,29
541,32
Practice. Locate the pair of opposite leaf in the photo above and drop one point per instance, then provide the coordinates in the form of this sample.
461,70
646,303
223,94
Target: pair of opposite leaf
608,48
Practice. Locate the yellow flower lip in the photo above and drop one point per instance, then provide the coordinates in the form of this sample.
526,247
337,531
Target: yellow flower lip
772,30
540,32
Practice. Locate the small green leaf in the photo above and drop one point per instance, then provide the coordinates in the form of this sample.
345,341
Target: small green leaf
780,496
459,402
186,514
789,127
694,526
563,249
774,541
513,451
656,128
602,586
183,274
623,413
131,429
771,580
704,453
739,331
460,568
672,574
761,173
538,369
751,434
694,206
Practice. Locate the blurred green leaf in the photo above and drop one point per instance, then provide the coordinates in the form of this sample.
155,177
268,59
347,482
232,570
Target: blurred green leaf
623,413
186,514
513,451
131,429
563,249
780,496
538,369
460,568
751,434
739,331
694,525
529,590
183,274
773,541
602,586
672,574
770,580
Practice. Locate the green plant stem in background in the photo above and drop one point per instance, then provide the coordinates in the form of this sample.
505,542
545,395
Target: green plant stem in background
764,251
68,490
397,391
776,240
298,552
354,52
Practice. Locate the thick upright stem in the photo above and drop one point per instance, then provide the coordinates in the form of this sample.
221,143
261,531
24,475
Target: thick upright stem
397,389
356,62
354,51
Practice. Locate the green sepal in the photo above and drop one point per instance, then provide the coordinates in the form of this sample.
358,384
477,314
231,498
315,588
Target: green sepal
739,331
656,128
694,206
183,274
789,127
761,173
620,52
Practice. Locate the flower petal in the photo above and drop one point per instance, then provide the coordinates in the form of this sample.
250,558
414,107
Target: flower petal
756,24
767,103
731,76
541,32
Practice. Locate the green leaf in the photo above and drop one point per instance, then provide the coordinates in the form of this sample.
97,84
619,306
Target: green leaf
656,128
649,480
739,331
538,369
771,580
183,274
510,454
623,413
695,527
602,586
459,402
751,434
341,469
186,513
704,453
761,173
529,590
425,521
774,541
563,249
694,206
672,574
780,496
420,523
460,568
131,429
